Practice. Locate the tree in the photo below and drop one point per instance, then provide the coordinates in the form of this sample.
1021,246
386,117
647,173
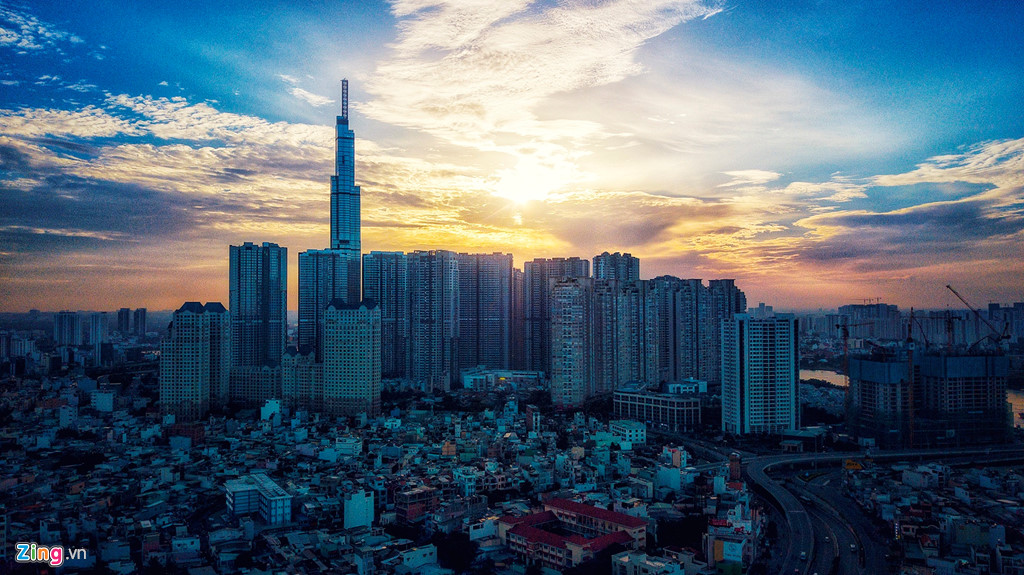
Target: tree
454,551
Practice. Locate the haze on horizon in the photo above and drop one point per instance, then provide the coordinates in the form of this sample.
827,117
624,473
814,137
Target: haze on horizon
820,153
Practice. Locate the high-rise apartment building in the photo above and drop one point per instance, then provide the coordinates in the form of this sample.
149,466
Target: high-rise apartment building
760,374
345,216
485,310
433,279
352,358
258,285
194,360
98,335
139,321
385,281
67,328
537,275
324,276
124,321
623,268
518,328
572,353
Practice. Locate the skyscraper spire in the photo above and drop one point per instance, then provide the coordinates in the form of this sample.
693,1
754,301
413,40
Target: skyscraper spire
344,98
345,218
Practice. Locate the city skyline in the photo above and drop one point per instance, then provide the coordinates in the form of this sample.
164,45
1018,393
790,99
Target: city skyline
815,173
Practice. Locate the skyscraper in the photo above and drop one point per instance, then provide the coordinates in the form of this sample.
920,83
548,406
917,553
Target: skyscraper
194,360
433,278
139,321
385,281
572,354
537,307
324,275
485,310
258,286
760,374
67,328
345,216
351,368
621,267
98,331
124,321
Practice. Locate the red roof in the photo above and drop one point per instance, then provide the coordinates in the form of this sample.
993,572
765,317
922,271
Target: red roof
535,535
595,512
531,519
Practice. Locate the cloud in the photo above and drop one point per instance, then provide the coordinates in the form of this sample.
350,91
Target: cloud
749,177
310,98
24,33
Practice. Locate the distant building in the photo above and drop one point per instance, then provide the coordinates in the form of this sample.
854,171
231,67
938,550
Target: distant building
386,281
98,335
257,494
194,360
485,310
124,321
358,509
139,322
352,351
872,321
258,288
760,374
635,432
623,268
67,328
324,275
302,380
537,277
572,355
433,278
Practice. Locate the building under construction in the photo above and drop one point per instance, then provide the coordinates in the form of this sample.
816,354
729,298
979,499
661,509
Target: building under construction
901,398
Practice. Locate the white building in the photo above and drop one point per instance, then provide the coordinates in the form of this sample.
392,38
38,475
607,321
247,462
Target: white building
358,509
258,493
760,374
194,360
632,432
351,352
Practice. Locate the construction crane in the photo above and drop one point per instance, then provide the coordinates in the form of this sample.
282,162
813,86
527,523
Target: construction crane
996,336
844,331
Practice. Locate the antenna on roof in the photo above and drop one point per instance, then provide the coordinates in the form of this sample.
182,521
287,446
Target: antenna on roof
344,98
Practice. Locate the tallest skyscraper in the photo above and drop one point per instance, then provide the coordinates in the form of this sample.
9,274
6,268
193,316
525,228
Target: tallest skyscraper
344,191
326,275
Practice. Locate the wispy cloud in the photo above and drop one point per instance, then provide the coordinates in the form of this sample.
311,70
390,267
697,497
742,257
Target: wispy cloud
24,33
310,98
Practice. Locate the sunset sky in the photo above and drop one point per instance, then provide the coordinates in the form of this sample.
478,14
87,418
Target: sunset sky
820,152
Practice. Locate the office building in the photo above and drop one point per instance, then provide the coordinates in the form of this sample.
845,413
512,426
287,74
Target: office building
572,353
760,374
873,321
324,276
623,268
139,322
258,285
385,281
352,358
485,310
537,275
345,216
124,321
67,328
194,360
676,411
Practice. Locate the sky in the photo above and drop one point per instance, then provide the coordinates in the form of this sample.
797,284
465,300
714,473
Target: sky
819,152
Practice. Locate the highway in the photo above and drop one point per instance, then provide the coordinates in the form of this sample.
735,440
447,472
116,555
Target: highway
810,525
801,529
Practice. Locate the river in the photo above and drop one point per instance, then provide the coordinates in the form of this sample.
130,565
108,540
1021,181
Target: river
830,376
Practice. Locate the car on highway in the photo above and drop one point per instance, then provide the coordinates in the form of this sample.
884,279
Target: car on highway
853,547
803,556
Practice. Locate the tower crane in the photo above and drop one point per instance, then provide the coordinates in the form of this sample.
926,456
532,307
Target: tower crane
996,336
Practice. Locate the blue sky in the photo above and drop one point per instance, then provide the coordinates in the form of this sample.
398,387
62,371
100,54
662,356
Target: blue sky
820,152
